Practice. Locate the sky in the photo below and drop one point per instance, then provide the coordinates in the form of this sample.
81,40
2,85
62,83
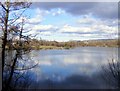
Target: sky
67,21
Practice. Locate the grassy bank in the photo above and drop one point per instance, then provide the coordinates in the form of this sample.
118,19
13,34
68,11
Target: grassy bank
49,47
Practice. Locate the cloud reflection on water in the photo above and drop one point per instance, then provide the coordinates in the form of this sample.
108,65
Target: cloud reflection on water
58,65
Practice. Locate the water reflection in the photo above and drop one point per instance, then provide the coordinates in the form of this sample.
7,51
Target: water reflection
79,66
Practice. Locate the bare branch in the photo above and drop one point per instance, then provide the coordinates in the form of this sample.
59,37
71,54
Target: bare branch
27,68
3,6
16,18
19,5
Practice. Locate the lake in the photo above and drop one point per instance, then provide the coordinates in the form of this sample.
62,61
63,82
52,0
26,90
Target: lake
73,68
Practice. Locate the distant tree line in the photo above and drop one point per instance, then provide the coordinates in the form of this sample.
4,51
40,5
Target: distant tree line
36,44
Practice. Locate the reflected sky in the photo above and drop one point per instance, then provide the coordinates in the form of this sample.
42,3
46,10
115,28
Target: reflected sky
57,65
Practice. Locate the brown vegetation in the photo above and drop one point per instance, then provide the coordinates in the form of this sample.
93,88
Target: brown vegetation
43,44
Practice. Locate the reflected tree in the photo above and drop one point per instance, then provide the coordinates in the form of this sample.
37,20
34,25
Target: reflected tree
111,73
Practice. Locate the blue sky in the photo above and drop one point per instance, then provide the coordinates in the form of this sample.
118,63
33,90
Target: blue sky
66,21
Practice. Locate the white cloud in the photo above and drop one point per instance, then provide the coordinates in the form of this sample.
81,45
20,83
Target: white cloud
44,28
34,24
90,20
42,12
47,33
87,19
92,28
57,12
107,29
71,29
39,29
38,16
90,25
35,20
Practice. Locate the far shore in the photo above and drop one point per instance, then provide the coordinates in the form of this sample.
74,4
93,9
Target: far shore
43,44
61,48
35,44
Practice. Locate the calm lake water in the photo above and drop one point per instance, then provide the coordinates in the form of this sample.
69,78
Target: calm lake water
73,68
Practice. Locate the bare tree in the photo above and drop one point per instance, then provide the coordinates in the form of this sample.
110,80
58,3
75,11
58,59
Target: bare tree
11,47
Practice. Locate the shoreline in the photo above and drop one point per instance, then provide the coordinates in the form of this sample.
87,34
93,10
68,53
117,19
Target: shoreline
67,48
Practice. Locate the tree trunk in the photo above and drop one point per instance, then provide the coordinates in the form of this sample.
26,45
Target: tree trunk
5,37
